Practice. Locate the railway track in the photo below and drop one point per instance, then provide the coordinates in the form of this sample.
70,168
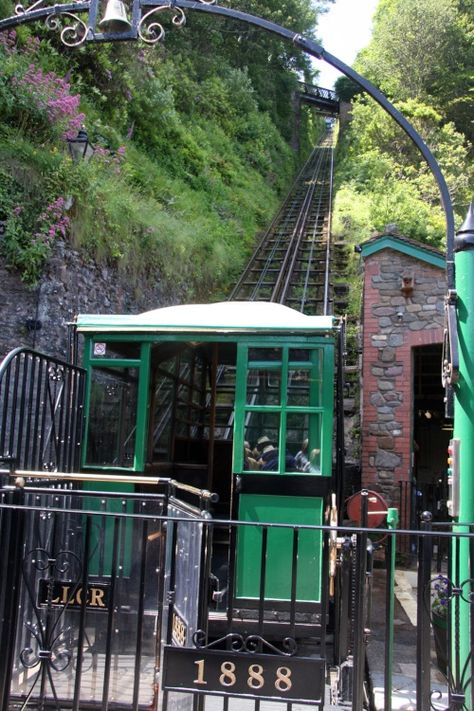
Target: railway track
292,263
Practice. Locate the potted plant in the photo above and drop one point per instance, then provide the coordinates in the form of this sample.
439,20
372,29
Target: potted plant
440,597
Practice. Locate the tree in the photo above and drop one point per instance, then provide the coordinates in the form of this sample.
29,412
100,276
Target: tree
425,49
346,89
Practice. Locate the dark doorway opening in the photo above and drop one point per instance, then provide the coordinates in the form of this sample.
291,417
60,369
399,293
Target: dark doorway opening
431,432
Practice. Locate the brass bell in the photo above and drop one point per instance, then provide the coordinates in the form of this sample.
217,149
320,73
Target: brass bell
115,18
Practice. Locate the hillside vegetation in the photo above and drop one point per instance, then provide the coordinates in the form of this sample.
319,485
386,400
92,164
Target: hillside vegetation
422,57
192,145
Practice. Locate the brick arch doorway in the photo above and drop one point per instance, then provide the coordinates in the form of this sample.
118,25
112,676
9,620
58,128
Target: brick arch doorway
431,432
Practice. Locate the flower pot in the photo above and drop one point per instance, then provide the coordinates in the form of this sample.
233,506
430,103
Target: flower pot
440,634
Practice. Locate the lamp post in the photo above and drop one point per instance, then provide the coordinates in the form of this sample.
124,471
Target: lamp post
79,147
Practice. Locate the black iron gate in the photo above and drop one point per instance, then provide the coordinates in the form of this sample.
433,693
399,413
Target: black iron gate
185,589
81,595
42,401
230,652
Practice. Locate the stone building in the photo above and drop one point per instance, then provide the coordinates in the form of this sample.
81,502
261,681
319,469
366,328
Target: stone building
404,433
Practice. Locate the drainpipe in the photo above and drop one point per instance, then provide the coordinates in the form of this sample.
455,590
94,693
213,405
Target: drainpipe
464,432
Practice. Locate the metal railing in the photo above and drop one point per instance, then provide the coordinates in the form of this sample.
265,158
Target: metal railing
41,416
319,92
153,566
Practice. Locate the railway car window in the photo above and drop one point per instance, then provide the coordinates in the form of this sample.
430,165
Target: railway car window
112,417
161,423
265,354
261,434
282,408
303,441
190,395
300,355
299,388
263,387
115,350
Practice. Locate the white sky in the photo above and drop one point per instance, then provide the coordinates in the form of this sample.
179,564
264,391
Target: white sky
343,31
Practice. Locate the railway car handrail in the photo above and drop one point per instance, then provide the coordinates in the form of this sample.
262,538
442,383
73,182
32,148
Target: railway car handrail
20,474
204,494
85,476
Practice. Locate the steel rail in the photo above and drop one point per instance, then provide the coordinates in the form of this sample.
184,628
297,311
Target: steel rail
289,254
280,215
328,228
319,213
266,265
288,265
264,260
311,258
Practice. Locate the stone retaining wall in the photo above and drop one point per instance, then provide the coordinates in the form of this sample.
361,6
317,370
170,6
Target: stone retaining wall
37,317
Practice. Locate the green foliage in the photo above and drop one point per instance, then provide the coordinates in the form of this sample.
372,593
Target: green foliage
346,89
30,207
419,56
191,147
424,49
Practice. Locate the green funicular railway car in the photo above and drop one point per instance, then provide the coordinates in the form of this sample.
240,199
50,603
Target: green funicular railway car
236,398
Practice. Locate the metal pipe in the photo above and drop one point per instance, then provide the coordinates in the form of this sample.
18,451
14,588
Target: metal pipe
82,476
202,493
392,521
425,554
360,608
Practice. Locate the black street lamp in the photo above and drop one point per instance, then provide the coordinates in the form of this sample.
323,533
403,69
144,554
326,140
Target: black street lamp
79,147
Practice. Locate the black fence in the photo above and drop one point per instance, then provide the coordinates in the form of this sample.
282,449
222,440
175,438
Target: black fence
81,595
130,601
42,412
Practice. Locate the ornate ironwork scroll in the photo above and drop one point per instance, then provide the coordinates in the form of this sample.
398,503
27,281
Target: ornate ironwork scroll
251,644
49,644
151,31
444,599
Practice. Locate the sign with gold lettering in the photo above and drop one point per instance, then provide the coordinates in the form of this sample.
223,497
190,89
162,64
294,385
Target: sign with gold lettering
60,593
223,672
179,630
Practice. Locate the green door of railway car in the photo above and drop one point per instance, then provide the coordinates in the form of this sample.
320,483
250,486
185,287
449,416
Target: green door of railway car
284,404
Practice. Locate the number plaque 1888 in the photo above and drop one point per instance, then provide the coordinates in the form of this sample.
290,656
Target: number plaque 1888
209,671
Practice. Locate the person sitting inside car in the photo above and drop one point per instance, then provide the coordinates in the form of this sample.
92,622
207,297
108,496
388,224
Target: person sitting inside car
269,460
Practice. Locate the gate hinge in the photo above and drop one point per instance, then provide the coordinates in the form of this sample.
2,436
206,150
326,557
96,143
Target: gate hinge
171,595
334,677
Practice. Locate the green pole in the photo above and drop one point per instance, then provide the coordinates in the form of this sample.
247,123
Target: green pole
392,523
464,432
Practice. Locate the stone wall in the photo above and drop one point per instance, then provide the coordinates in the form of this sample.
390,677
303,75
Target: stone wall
37,317
395,320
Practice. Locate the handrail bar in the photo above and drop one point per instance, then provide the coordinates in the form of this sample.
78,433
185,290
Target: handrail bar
83,476
117,479
202,493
